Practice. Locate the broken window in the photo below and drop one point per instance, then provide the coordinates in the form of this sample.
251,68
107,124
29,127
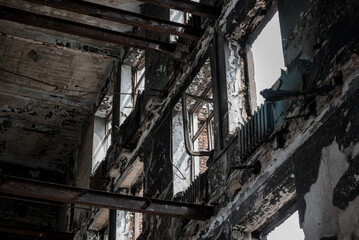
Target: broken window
192,130
289,229
267,58
201,128
179,17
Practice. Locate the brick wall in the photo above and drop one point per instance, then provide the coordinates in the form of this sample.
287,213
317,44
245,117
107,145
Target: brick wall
203,138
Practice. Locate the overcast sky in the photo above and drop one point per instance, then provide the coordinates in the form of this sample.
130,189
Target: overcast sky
267,57
288,230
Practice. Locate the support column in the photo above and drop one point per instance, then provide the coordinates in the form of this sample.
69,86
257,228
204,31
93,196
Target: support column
219,88
116,104
112,225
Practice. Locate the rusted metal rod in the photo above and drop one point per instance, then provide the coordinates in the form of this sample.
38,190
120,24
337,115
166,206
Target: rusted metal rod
187,140
84,30
278,95
68,194
125,17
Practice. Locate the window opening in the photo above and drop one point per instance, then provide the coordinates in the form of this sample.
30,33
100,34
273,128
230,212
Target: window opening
192,121
138,78
289,229
201,128
101,140
267,57
179,17
199,106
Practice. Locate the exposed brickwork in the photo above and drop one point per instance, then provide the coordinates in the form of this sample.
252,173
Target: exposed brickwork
203,141
133,227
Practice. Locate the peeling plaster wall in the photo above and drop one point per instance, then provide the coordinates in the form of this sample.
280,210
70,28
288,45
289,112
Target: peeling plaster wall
122,225
324,37
327,178
320,215
235,87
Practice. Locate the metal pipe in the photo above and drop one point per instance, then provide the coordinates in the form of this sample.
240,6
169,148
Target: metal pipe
187,139
205,124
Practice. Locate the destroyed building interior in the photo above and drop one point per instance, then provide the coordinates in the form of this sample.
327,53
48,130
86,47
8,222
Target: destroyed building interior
140,119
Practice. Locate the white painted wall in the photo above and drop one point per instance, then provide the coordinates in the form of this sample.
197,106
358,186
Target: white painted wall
122,225
234,88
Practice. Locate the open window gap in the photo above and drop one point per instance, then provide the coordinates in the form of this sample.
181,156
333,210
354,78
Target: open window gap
267,57
289,229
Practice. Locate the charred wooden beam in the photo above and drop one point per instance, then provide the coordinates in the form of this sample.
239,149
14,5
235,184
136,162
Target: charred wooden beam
68,194
84,30
125,17
36,234
187,6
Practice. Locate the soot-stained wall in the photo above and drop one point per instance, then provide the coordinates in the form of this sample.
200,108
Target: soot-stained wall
327,177
158,176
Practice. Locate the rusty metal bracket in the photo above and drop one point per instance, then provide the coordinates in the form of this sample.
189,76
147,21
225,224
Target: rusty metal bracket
278,95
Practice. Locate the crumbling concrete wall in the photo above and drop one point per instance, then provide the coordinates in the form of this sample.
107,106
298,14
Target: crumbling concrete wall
158,179
327,177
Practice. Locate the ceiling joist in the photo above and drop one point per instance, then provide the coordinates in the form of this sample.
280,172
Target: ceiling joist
125,17
35,234
187,6
83,30
89,197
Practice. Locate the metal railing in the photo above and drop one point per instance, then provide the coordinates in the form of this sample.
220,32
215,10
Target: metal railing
256,128
197,192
